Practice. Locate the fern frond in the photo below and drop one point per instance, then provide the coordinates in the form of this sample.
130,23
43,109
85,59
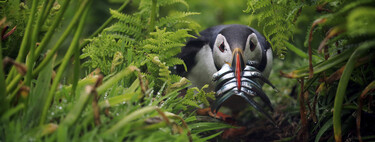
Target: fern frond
152,51
126,18
276,20
171,2
191,103
176,18
130,30
174,61
118,35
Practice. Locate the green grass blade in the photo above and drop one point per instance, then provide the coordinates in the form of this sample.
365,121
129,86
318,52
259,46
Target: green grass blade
343,83
12,81
77,17
300,53
25,40
62,133
30,60
38,95
11,112
324,128
128,118
325,65
48,9
210,137
3,101
77,109
66,59
115,79
208,126
52,29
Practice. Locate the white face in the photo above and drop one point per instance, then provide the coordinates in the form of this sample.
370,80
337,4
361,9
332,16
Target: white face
221,51
253,51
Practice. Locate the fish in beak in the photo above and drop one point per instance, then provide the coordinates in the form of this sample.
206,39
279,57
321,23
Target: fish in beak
237,83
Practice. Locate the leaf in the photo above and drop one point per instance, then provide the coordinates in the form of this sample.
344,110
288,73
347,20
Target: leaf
6,116
210,137
128,118
191,103
300,53
324,128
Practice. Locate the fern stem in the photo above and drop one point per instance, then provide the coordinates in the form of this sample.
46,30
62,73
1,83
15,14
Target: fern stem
152,16
66,59
25,41
343,83
105,24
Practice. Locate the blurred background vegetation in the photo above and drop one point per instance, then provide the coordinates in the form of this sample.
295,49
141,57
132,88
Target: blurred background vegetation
330,100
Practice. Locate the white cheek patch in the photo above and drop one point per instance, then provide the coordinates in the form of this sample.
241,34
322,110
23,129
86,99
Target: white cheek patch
202,71
268,68
220,58
256,54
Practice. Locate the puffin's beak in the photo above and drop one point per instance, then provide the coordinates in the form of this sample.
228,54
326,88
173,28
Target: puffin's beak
238,65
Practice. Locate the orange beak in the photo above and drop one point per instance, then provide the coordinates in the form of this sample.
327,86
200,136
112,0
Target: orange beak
238,65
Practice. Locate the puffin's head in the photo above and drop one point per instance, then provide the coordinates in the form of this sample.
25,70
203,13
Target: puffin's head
235,45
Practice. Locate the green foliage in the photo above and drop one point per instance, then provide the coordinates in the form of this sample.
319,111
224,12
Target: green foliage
137,100
162,47
15,14
276,20
129,36
195,96
339,81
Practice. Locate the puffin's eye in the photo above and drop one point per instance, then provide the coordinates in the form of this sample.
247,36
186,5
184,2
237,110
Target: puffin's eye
252,46
221,47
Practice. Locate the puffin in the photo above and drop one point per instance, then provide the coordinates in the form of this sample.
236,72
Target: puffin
230,50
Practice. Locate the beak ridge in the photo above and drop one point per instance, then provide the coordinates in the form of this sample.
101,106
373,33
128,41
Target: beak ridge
238,65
